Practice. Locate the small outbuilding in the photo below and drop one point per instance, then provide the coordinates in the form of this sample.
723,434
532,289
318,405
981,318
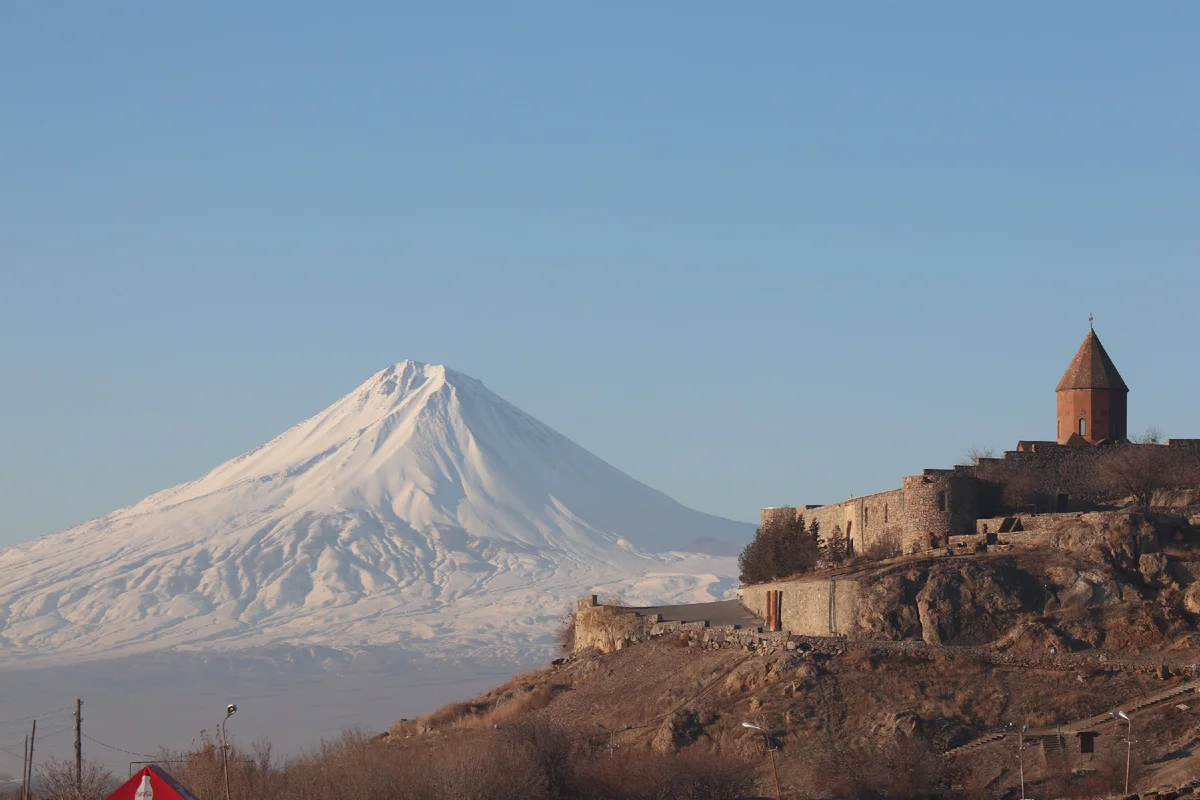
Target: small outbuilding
152,783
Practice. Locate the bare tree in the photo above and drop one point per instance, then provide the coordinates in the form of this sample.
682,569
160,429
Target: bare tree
56,778
1152,436
974,453
1146,474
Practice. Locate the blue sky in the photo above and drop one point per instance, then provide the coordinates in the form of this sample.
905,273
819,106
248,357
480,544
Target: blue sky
756,255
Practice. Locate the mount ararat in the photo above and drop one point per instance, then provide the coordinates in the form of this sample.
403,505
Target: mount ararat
420,512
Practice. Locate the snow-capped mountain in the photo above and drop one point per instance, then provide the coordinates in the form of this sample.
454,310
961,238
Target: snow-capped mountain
421,511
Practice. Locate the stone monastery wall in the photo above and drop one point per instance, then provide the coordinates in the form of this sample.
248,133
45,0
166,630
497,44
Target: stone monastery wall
1076,471
939,503
814,607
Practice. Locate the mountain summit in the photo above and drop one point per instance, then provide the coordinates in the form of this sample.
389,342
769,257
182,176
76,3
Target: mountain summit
419,492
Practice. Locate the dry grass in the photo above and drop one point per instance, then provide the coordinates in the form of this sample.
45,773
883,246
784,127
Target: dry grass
536,761
520,705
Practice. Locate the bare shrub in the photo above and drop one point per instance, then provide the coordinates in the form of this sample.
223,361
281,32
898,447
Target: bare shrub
1147,474
447,715
483,766
521,704
691,775
564,637
532,759
891,766
860,658
56,778
886,546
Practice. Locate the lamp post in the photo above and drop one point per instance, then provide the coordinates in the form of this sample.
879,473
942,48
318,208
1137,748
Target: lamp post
1021,754
612,736
771,750
230,710
1128,742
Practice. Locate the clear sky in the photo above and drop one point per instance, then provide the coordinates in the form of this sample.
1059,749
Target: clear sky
751,254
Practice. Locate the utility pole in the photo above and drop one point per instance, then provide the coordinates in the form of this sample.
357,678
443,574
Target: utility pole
78,745
1021,758
29,780
24,768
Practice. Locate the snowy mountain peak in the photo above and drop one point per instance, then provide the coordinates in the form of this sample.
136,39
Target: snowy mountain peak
418,488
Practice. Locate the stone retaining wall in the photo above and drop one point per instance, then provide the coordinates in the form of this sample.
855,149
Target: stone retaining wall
814,607
699,635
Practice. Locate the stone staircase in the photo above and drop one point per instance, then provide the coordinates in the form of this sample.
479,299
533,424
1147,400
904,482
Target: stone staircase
1054,748
1058,746
975,744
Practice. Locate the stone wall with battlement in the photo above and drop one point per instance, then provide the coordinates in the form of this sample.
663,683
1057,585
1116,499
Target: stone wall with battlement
1037,472
872,522
939,503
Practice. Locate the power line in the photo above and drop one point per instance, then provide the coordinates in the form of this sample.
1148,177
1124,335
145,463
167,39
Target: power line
9,723
57,731
118,749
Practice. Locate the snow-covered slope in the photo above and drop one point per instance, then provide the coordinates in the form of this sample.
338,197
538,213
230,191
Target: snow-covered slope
420,511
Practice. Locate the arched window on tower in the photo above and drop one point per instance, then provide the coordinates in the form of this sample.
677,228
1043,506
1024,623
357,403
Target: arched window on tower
1082,426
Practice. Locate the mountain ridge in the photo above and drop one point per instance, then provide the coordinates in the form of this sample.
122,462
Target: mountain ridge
418,491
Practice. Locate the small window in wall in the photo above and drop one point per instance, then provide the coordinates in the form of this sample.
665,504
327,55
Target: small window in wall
941,501
1082,426
866,516
849,531
885,519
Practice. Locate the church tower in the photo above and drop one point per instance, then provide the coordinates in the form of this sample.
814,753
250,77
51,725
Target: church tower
1092,397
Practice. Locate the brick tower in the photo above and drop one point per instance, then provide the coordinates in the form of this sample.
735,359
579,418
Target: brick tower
1092,397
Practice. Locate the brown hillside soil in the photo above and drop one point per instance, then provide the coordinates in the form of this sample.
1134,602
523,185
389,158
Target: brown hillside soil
829,707
1101,617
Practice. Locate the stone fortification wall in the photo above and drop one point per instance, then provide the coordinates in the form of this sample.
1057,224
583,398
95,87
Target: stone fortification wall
610,628
816,607
937,504
872,522
605,628
1036,472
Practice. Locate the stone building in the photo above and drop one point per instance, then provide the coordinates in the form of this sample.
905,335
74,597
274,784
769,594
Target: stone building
1092,397
1066,474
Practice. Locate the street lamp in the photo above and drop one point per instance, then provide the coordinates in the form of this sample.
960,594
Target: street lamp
1128,742
230,710
1021,754
771,750
612,735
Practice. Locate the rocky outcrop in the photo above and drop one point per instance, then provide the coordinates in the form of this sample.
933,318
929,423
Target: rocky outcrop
973,603
948,602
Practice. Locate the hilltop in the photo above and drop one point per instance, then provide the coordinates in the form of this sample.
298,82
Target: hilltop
901,709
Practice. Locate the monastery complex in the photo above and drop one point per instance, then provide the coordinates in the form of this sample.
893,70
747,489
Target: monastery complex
1072,473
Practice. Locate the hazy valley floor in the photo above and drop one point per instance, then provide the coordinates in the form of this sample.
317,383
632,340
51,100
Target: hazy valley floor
293,696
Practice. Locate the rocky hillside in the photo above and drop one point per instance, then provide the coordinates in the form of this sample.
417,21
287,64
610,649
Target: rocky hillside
1118,583
1099,619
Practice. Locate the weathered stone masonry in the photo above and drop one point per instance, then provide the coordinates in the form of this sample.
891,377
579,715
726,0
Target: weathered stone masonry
1068,474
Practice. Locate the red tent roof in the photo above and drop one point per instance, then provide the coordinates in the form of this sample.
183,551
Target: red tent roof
165,787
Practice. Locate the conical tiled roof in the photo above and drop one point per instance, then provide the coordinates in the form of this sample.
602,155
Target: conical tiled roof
1091,368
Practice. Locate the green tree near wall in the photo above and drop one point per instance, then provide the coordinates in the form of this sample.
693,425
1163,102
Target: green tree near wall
781,548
